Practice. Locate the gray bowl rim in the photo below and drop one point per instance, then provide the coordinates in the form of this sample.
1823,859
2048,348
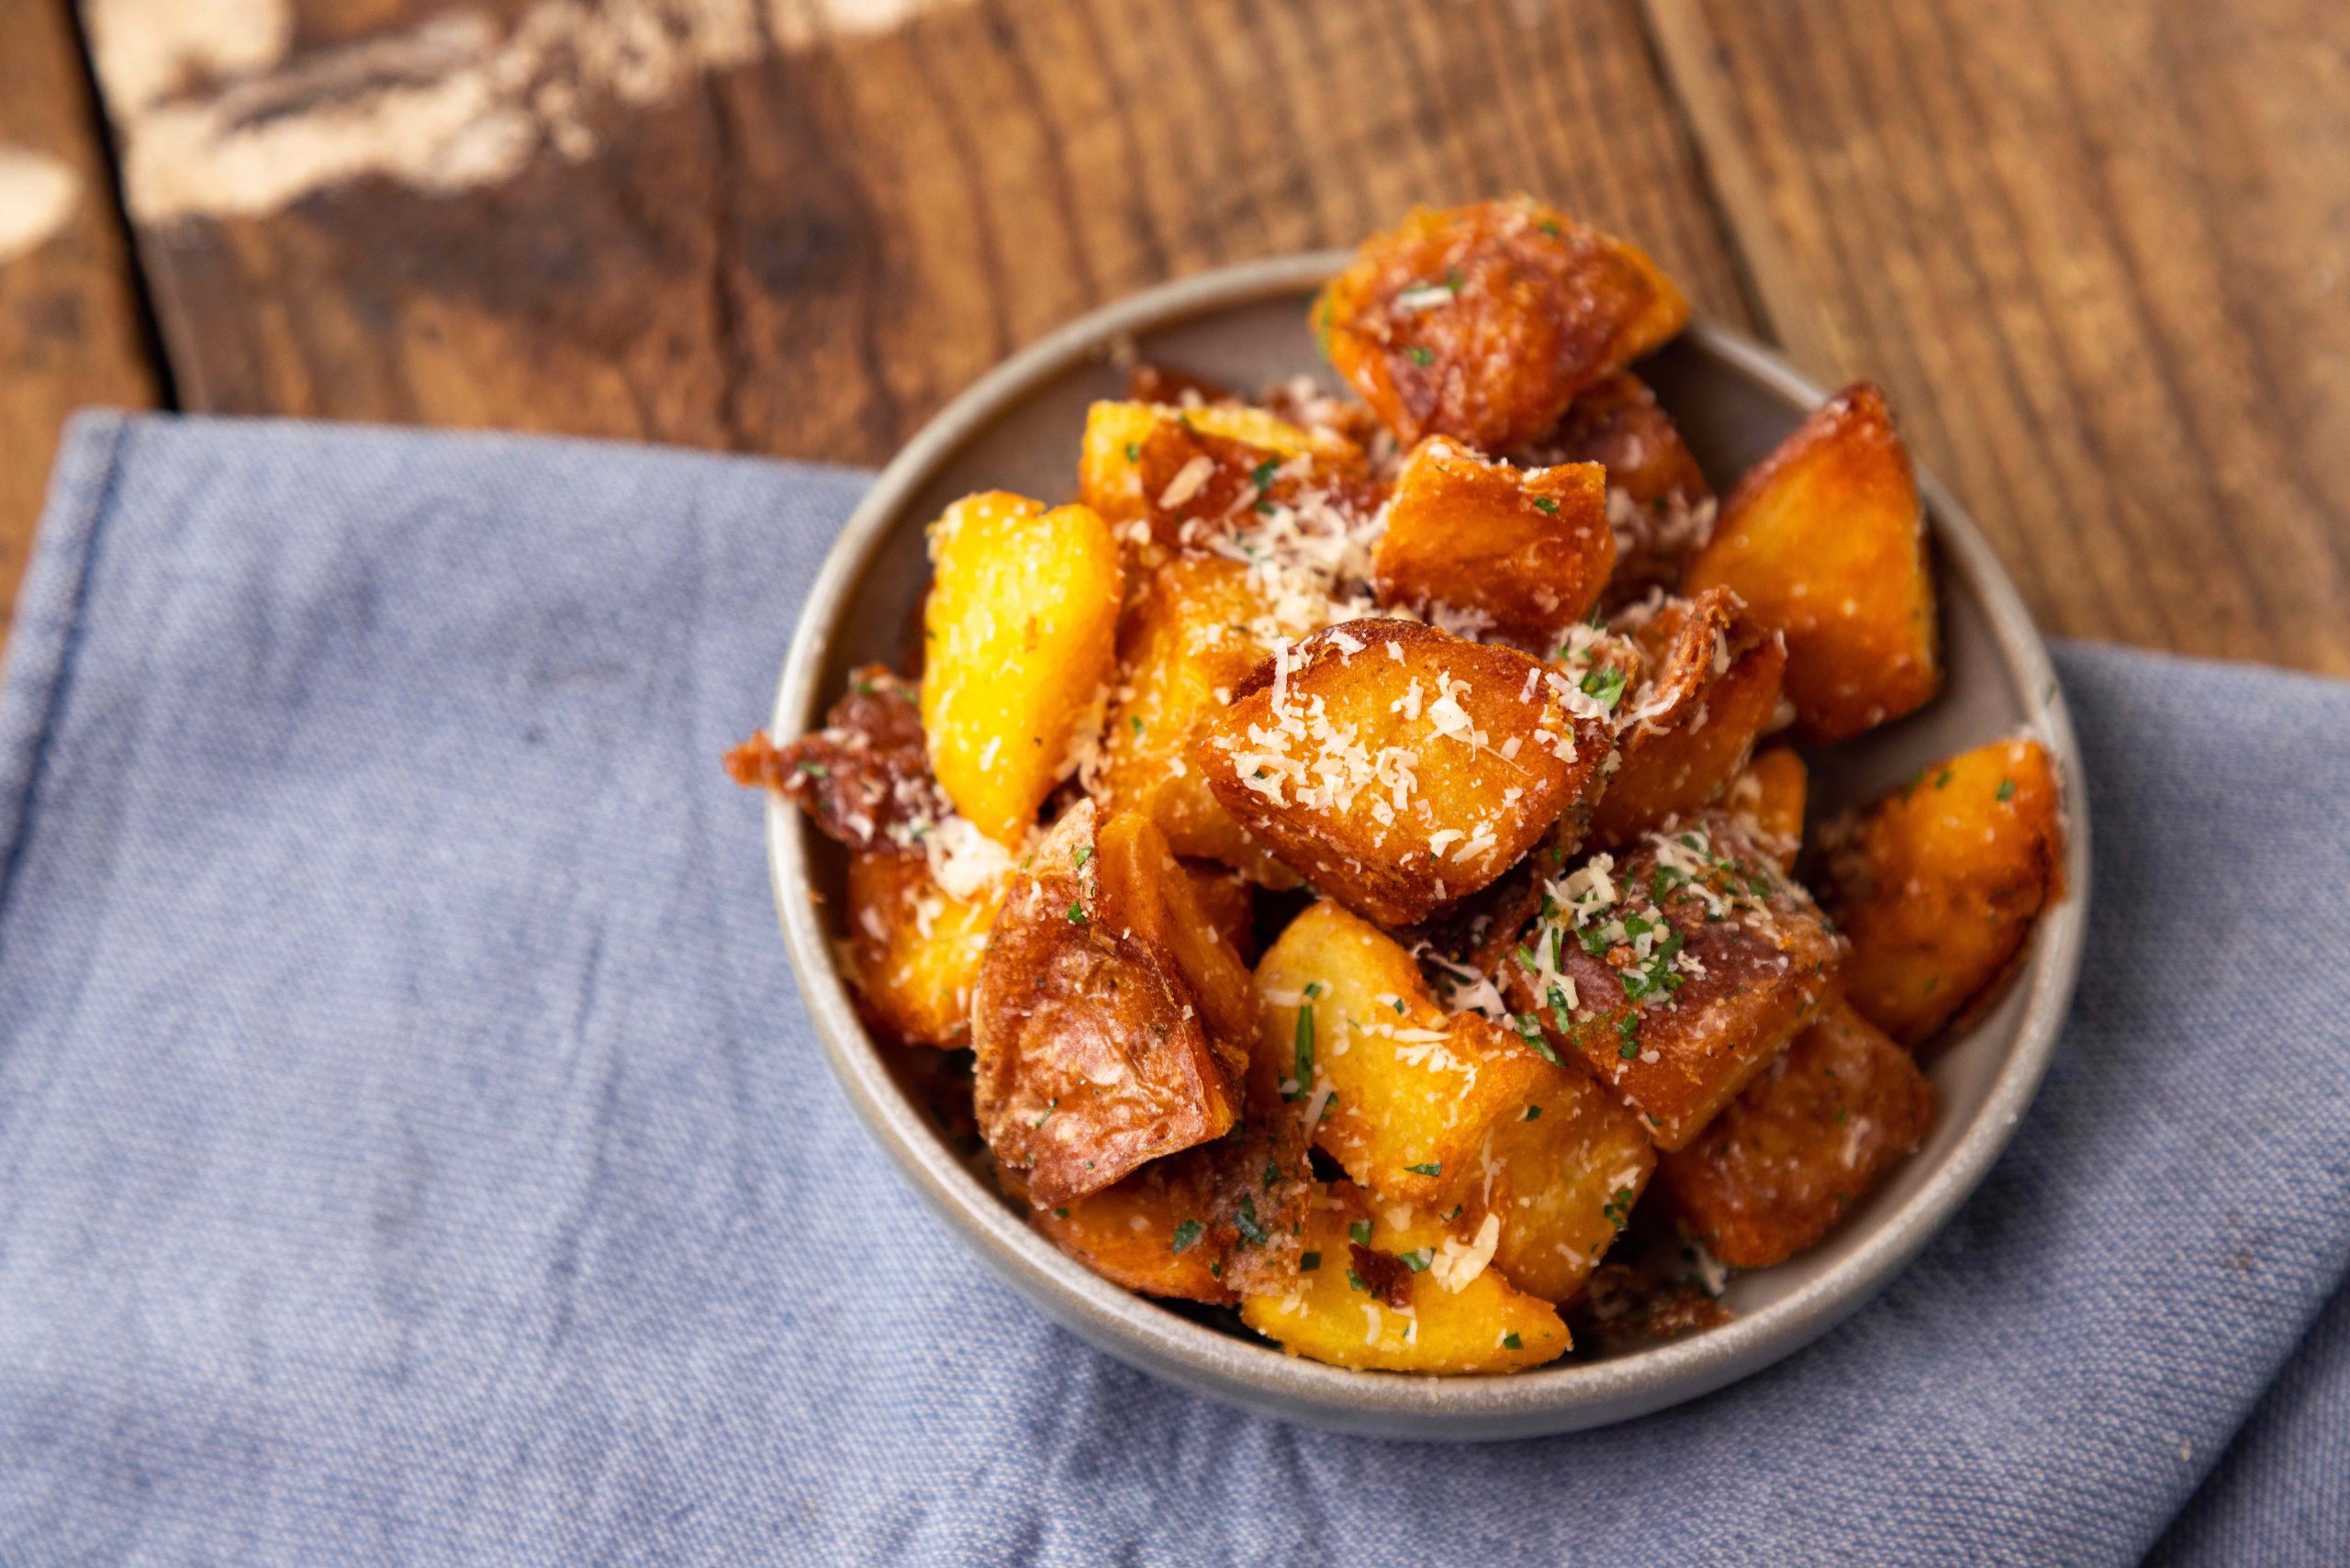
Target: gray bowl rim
1260,1377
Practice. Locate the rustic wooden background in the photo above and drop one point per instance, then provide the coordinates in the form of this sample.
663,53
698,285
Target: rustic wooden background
2096,250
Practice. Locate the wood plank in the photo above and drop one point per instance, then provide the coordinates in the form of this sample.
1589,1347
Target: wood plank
2096,254
797,228
69,318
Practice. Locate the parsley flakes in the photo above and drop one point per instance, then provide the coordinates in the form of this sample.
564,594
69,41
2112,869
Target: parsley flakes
1187,1233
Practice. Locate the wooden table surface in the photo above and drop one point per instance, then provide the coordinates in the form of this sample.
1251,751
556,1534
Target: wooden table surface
2097,251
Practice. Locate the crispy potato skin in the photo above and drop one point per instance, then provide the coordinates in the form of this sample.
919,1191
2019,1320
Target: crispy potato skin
1825,540
1110,470
1020,629
865,778
914,951
1092,1053
1482,322
1666,508
1415,1090
1524,549
1562,1180
1938,885
1244,1198
1180,646
1714,685
1324,1314
1816,1131
1764,963
1314,763
1769,794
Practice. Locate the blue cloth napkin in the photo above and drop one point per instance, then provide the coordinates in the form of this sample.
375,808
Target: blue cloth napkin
412,1150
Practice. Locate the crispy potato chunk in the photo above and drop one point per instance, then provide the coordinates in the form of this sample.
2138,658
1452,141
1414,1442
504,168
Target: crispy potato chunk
1146,894
1825,539
1399,768
1658,501
1184,647
1092,1052
1938,885
1201,489
1819,1129
1229,902
1674,974
1482,322
865,778
913,951
1714,686
1202,1225
1109,472
1523,551
1402,1092
1630,1306
1021,628
1406,1297
1769,795
1561,1175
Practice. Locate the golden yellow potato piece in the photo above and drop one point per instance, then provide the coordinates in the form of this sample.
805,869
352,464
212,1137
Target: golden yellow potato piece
1109,470
1020,631
1825,539
1938,883
1561,1175
914,951
1405,1298
1400,1092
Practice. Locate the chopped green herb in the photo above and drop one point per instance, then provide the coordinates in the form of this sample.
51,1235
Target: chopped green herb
1134,452
1530,1029
1245,1222
1263,474
1272,1174
1531,1113
815,770
1417,1260
863,687
1510,1341
1215,1269
1942,779
1550,228
1077,915
1356,1279
1434,1168
1544,503
1419,355
1360,1233
1627,1029
1187,1233
1307,1263
1302,1070
1060,1214
1136,723
2007,789
1617,1210
1605,685
1084,853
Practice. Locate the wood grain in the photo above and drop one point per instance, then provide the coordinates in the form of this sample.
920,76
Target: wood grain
68,319
808,245
2098,256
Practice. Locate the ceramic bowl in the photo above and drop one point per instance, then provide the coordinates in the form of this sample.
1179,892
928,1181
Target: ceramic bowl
1017,428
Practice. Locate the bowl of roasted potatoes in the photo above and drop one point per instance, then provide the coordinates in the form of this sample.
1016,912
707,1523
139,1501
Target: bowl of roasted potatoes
1410,840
